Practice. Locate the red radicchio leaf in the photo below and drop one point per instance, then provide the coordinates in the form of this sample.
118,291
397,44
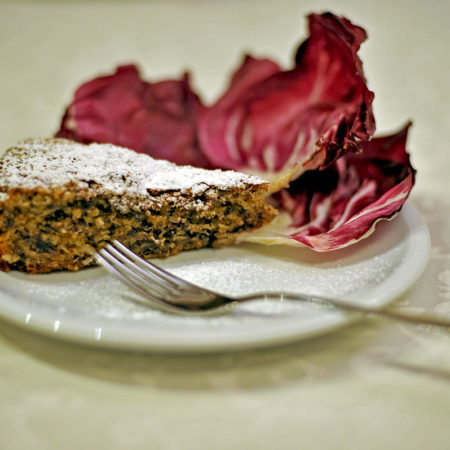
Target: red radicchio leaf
122,109
311,121
271,120
340,205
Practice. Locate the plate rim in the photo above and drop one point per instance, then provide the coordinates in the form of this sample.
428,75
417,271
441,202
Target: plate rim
76,331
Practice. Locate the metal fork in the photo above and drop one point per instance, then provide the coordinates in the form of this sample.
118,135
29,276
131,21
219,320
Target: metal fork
175,295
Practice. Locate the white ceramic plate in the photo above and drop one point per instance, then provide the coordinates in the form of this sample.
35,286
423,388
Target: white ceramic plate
92,307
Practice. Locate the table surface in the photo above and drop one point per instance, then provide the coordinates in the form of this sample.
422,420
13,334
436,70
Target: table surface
371,385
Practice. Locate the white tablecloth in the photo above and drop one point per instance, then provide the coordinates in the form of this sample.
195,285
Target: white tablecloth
372,385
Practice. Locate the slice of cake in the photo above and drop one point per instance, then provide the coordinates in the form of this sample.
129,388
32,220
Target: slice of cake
60,201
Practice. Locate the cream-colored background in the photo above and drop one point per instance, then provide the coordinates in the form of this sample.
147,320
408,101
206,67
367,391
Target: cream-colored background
369,386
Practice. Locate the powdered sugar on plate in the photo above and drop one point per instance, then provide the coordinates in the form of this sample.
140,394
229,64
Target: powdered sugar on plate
93,307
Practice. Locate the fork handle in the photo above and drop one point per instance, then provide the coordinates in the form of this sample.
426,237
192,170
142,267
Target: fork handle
417,319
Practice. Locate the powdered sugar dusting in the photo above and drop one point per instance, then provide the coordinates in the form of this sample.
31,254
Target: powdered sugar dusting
50,163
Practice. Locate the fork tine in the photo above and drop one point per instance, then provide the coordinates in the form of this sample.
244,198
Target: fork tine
128,281
148,275
135,277
170,278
